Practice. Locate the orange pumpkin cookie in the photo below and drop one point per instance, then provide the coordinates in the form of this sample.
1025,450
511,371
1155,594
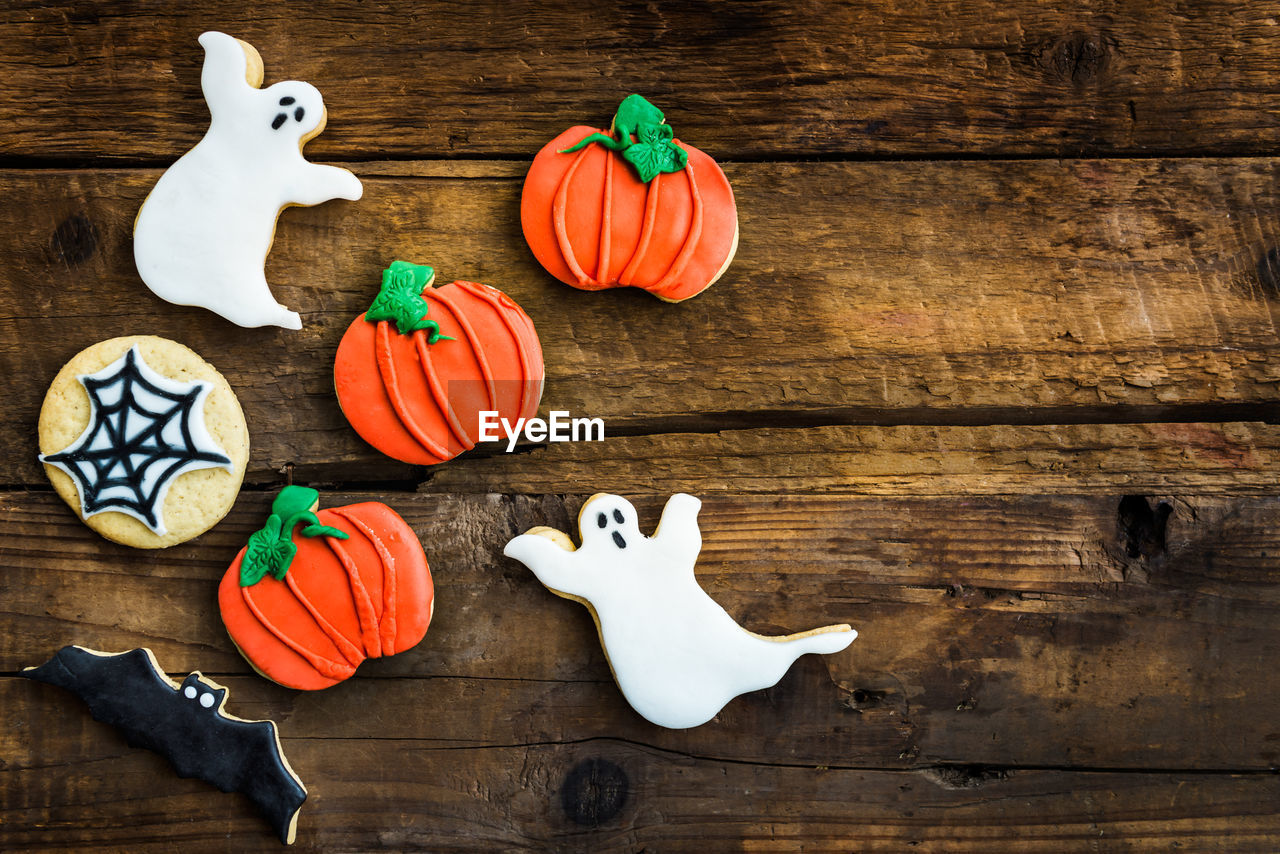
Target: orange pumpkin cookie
631,207
414,372
306,607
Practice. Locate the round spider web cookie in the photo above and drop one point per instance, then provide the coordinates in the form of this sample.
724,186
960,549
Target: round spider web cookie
145,440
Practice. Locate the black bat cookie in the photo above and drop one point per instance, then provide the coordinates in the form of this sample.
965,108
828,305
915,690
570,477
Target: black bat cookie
184,723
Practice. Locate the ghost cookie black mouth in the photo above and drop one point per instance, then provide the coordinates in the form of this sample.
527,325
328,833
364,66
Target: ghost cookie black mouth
281,118
602,521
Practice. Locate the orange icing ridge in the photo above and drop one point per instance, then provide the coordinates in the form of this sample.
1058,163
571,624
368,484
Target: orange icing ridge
391,379
562,231
646,230
333,669
439,394
473,340
357,379
397,397
687,230
387,622
500,303
359,595
353,654
294,631
606,224
691,240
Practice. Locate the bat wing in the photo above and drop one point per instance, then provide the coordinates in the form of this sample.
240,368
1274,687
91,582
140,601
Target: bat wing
122,690
184,723
245,756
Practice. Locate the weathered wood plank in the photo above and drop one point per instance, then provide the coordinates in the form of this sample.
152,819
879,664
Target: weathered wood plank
72,782
760,79
1089,290
1010,631
891,461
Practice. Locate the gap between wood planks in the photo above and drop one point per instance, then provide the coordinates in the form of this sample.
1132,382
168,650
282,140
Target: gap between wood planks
946,775
718,422
514,164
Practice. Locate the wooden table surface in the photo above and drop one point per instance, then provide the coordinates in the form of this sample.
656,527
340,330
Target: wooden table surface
993,378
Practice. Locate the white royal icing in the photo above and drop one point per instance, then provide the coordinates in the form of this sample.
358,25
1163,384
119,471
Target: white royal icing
202,236
134,447
676,654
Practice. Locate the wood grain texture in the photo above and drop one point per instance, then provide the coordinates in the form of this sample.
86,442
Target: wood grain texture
1012,416
1093,290
740,80
603,795
1006,631
945,461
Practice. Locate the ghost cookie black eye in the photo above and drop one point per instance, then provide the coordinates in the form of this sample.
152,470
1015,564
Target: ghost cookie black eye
286,101
617,516
298,114
602,520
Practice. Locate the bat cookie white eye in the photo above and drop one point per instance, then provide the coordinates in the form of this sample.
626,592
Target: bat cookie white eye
206,700
189,692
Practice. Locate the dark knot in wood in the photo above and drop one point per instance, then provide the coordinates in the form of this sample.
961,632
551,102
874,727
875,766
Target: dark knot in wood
1076,58
594,791
1269,272
861,699
74,240
1142,529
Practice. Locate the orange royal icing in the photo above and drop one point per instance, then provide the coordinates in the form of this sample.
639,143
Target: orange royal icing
420,403
342,601
593,224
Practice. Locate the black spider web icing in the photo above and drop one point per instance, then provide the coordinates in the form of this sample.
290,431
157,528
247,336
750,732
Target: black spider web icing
129,454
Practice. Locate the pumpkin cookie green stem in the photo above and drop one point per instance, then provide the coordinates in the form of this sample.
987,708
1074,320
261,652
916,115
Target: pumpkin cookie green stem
401,302
271,549
652,151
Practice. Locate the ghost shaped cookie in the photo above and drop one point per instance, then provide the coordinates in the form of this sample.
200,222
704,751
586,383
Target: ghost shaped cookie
203,234
678,657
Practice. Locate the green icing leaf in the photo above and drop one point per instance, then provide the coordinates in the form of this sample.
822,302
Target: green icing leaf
654,152
650,134
401,302
400,299
266,553
271,550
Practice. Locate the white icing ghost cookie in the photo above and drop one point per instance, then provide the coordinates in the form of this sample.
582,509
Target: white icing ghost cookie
677,655
202,236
